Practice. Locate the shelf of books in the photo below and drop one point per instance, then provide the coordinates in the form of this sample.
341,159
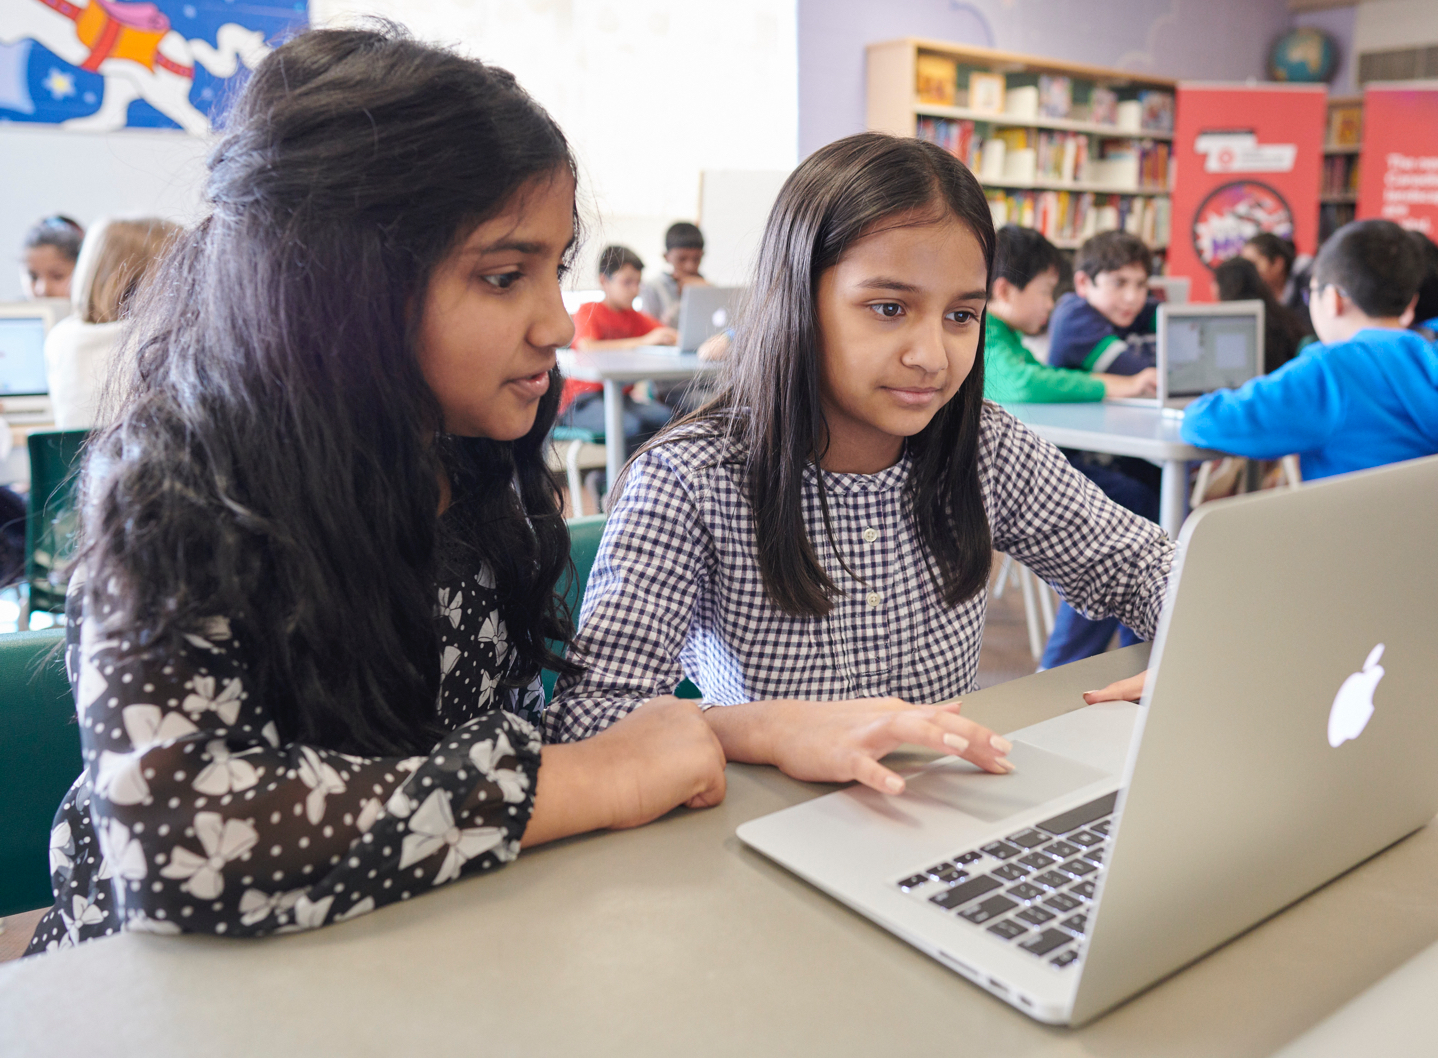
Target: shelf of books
1339,197
1068,149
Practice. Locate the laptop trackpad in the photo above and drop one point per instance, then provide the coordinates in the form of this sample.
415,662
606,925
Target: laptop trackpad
1040,776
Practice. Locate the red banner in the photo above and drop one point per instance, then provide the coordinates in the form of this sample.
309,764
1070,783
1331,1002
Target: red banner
1398,178
1248,159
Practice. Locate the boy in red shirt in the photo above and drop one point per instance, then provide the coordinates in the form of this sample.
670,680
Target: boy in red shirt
615,324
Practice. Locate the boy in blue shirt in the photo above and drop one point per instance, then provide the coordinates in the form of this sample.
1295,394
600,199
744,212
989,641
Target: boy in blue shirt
1107,326
1367,395
1108,323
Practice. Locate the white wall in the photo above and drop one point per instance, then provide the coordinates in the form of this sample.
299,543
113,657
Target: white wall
87,175
1383,25
649,92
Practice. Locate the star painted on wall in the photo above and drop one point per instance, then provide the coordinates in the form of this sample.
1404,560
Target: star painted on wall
59,85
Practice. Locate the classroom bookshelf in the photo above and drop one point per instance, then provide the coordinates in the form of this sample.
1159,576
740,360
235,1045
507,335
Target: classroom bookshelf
1338,201
1063,147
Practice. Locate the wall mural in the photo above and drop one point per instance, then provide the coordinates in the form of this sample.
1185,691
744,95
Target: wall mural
101,65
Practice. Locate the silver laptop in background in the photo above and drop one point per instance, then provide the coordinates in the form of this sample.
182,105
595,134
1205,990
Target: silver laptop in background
24,386
1202,348
705,312
1287,733
1172,290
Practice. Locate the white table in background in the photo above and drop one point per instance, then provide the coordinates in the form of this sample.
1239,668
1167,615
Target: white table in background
620,368
676,939
1123,430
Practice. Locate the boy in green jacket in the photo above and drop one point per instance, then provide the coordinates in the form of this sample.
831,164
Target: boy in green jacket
1026,270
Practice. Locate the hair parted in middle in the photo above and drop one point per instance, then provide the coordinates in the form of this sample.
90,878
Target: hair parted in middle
770,406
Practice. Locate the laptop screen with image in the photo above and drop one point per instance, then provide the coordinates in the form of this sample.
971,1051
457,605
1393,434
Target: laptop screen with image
1209,352
22,355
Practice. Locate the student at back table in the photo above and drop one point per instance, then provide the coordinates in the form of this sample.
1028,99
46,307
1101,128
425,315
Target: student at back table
1367,395
1027,268
615,324
1106,325
683,253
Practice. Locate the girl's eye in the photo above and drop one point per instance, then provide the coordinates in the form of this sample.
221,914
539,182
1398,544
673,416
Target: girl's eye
962,316
888,309
503,281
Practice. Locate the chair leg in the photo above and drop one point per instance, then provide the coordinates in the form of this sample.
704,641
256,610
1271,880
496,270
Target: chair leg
1200,484
1046,605
571,470
1292,472
1029,584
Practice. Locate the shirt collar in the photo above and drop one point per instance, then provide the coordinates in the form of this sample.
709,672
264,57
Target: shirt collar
886,480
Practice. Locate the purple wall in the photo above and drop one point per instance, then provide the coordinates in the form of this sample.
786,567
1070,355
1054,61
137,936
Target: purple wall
1210,40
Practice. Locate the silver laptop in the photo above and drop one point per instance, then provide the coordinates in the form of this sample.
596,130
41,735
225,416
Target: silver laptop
24,387
1171,289
705,312
1202,348
1287,732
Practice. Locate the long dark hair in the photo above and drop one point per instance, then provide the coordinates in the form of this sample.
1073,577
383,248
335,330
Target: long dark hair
277,456
770,405
1237,279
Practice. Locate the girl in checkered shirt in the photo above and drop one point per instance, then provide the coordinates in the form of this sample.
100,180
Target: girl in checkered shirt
812,548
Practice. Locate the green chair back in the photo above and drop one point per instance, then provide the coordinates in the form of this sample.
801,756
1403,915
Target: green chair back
39,760
53,520
584,535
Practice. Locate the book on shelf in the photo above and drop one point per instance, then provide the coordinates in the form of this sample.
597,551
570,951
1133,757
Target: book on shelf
938,79
1068,218
1103,106
1056,96
1024,155
1340,174
1157,111
986,92
1022,103
1345,126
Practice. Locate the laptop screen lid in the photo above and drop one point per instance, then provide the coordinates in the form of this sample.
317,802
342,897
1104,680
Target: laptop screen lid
705,312
1237,801
1206,347
23,326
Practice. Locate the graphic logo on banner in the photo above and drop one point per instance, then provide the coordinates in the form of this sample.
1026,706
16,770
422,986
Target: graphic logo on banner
1234,213
1240,152
101,65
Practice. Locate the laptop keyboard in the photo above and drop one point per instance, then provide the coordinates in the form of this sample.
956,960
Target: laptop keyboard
1031,888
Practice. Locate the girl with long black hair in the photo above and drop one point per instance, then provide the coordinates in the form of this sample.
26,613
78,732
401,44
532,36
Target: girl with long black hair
812,548
320,545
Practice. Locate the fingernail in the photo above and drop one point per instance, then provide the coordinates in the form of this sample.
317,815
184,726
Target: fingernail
1001,744
1006,764
956,742
893,782
1087,693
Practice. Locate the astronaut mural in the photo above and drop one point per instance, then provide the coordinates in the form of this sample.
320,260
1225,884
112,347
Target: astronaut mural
101,65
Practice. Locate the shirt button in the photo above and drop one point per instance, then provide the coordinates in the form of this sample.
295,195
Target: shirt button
873,599
870,535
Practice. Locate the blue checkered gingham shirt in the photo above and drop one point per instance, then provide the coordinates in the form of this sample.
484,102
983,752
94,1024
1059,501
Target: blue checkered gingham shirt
676,589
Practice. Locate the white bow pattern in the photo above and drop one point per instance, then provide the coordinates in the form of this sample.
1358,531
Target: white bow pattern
322,779
122,855
226,772
61,848
223,840
227,705
432,829
451,608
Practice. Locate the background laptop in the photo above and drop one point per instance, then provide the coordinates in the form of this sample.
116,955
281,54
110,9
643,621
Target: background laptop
1133,839
1202,348
24,388
704,312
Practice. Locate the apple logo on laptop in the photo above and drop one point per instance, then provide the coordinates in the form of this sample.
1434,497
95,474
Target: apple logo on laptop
1353,704
720,317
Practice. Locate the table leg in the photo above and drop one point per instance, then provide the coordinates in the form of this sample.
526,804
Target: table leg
613,430
1173,496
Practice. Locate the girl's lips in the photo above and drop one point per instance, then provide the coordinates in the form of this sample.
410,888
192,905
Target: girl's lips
534,386
914,397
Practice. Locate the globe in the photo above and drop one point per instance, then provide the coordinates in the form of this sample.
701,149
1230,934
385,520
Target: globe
1303,54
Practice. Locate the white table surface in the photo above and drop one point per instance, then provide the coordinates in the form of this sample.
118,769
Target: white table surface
676,939
618,368
1123,430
